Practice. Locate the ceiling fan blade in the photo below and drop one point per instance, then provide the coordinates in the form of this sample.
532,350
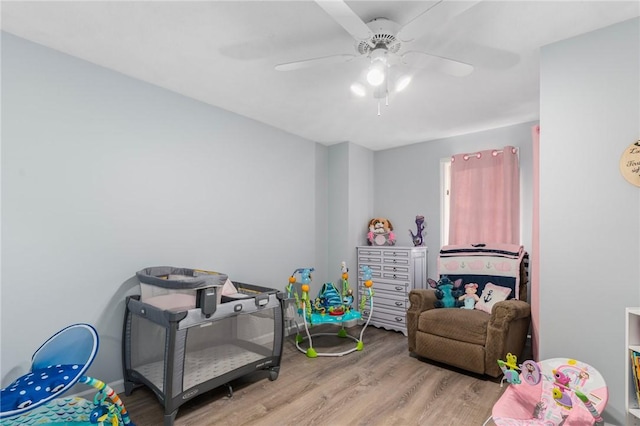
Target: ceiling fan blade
347,18
442,64
437,15
308,63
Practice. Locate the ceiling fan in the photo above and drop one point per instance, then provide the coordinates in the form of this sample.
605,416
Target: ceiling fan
383,42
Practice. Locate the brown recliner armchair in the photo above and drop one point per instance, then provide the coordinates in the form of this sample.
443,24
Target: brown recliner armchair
469,339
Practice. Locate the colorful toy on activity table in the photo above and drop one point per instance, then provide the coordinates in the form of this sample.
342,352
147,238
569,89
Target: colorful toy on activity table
332,305
557,390
56,366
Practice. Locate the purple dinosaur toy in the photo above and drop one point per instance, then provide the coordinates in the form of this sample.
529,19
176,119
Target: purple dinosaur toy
417,237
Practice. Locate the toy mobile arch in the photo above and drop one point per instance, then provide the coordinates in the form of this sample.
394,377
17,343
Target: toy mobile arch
332,306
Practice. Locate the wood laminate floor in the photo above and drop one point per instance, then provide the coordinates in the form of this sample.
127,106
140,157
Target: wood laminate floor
381,385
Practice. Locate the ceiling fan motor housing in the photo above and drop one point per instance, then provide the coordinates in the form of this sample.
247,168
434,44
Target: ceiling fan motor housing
384,37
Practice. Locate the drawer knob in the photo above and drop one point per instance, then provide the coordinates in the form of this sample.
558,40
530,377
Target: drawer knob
399,319
399,288
399,303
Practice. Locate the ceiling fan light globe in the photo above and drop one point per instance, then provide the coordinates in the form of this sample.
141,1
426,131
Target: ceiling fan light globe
358,89
402,83
375,76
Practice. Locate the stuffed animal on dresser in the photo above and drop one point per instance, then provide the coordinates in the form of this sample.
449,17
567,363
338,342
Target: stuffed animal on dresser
381,232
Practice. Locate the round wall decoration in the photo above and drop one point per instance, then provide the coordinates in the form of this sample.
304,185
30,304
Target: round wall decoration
630,163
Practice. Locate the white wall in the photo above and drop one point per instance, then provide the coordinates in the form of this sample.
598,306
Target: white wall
103,175
589,215
407,182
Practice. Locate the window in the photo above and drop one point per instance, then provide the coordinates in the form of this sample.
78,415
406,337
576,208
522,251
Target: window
445,189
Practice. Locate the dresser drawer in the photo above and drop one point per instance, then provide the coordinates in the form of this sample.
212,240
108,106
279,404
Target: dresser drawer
370,252
369,260
379,313
401,287
394,276
390,277
395,254
388,301
376,271
394,268
395,261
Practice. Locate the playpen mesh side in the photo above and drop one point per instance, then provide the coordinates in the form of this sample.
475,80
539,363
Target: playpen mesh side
147,349
226,345
203,352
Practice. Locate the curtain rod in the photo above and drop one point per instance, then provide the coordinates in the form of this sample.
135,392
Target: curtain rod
478,154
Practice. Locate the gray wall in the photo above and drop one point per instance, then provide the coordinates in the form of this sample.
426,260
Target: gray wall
103,175
338,206
589,215
407,182
350,205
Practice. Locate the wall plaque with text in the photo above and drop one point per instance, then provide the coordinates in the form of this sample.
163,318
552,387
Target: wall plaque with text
630,163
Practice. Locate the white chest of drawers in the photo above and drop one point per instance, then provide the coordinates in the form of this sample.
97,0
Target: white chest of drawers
395,272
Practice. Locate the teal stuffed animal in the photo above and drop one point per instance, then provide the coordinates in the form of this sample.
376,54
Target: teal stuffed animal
447,292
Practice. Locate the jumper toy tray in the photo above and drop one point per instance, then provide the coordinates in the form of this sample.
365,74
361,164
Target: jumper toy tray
331,306
56,366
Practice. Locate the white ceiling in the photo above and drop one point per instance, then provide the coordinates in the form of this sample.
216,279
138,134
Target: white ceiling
224,52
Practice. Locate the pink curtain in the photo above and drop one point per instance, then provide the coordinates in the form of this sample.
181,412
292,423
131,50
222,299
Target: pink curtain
485,197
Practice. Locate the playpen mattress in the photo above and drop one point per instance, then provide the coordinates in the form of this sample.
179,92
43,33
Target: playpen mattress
203,365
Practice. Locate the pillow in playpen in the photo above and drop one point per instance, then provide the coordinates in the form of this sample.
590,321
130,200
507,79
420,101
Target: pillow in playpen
491,294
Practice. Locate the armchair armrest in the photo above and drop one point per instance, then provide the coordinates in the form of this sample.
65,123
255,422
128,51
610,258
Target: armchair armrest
507,311
506,332
420,300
